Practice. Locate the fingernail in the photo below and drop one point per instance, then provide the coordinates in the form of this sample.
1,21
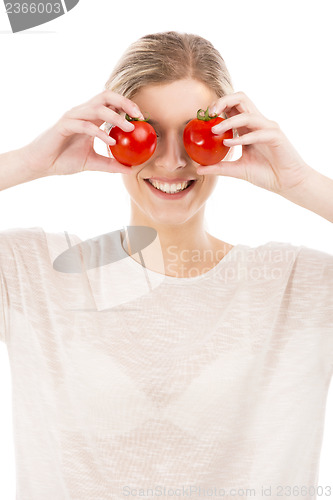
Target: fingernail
217,129
212,111
138,114
129,126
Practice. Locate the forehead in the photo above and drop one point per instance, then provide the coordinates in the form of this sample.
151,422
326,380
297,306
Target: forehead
176,100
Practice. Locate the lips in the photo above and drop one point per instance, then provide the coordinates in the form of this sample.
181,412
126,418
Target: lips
170,196
170,181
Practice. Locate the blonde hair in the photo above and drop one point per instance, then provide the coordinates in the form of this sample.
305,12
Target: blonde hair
168,56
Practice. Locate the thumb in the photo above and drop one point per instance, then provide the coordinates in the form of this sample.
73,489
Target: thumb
228,168
101,163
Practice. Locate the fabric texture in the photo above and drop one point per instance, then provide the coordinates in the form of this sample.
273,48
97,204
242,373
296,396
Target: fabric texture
130,383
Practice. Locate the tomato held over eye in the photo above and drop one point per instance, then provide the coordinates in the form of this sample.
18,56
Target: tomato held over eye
135,147
201,144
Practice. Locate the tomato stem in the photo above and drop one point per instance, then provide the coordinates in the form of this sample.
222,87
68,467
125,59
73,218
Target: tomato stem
206,116
130,119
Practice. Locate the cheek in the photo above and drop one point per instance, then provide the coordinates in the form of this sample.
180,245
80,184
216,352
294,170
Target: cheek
131,182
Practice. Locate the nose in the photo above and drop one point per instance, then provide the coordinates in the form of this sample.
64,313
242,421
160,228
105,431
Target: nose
170,152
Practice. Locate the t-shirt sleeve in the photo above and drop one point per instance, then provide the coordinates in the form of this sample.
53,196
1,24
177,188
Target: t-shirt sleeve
26,274
17,247
313,277
315,270
2,311
4,261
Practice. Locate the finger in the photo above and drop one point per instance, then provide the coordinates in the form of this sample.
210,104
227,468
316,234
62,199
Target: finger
99,114
225,168
238,100
257,137
249,120
122,103
101,163
70,126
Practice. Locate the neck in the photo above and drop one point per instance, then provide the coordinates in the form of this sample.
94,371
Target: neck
179,250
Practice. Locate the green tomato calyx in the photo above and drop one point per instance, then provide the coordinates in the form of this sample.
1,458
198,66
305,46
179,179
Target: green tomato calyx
131,119
205,116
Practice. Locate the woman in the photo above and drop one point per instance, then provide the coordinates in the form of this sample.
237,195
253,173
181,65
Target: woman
199,376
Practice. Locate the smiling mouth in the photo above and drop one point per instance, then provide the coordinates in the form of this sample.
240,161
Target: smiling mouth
165,188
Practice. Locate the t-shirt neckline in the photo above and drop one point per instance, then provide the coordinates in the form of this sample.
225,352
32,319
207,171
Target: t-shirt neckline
136,267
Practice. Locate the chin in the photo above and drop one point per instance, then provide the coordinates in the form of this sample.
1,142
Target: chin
169,219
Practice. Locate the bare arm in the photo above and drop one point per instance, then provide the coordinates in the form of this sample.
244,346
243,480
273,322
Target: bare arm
315,194
67,146
13,169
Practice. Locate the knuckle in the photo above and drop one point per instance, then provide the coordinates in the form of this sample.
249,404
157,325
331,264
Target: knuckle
116,118
72,112
65,120
124,100
219,102
107,93
97,98
86,126
107,96
121,121
131,105
61,125
99,108
274,124
68,113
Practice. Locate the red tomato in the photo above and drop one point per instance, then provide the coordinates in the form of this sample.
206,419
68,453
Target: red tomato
135,147
201,144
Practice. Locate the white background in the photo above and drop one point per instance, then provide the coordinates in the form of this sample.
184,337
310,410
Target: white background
278,52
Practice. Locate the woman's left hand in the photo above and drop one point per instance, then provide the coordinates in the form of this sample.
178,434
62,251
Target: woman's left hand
268,159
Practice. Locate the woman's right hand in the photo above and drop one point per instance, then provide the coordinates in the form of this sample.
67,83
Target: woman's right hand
67,146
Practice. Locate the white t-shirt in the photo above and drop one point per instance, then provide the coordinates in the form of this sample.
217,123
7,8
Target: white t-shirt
130,383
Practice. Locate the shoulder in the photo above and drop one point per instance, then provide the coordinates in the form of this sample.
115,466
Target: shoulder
309,273
276,251
297,263
268,262
313,266
18,245
18,240
19,234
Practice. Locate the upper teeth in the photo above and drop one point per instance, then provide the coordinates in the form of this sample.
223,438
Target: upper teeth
169,188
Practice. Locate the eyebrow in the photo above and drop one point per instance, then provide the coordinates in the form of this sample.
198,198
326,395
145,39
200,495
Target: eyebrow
153,122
